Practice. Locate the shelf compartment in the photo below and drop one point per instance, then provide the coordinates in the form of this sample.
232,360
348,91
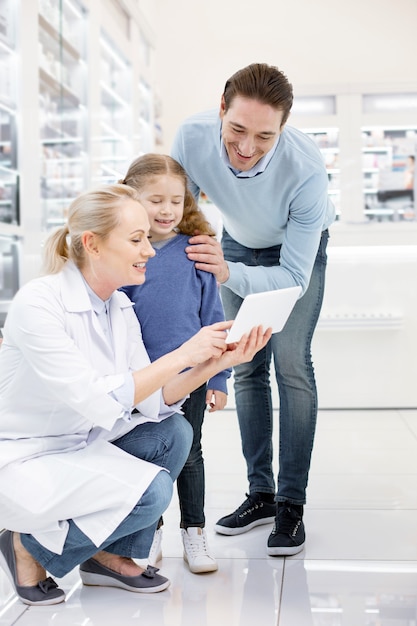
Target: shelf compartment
60,39
58,90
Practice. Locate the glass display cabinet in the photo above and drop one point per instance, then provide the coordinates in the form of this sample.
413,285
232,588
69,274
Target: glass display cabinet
322,111
9,272
389,145
62,106
9,177
75,106
388,157
327,140
113,146
148,132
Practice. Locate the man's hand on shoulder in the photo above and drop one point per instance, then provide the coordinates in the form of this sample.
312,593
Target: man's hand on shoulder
207,254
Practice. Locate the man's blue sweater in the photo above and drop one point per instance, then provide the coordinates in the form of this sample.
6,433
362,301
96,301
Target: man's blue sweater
286,204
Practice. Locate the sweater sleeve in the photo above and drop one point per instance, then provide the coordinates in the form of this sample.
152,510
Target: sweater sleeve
212,312
298,251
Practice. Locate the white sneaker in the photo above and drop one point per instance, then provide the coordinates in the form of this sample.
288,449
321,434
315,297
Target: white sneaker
155,552
196,550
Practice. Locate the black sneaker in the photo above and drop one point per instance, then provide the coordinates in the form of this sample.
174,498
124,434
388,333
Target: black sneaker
253,512
288,534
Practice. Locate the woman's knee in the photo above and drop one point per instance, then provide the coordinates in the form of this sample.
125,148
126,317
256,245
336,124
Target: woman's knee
179,437
158,494
181,432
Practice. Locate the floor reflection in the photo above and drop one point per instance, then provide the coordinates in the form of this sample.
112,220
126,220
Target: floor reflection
359,567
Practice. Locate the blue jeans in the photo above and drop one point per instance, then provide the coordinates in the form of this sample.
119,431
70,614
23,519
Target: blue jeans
295,378
191,481
166,444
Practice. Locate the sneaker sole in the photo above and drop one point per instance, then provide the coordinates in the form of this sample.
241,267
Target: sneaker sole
201,569
284,551
225,530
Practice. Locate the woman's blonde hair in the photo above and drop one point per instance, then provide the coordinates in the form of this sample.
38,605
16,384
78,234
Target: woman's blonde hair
97,211
148,166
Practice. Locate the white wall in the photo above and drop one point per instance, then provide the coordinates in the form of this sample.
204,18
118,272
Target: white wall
326,43
365,344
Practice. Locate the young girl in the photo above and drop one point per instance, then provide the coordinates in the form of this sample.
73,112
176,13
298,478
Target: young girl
172,305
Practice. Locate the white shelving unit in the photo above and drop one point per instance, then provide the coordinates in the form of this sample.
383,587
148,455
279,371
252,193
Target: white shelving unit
369,301
327,139
9,201
365,139
76,105
388,155
114,149
9,175
62,106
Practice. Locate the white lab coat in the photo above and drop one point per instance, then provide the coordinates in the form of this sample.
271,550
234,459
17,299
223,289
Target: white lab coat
57,418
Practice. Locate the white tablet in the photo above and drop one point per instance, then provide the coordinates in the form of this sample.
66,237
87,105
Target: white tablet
269,308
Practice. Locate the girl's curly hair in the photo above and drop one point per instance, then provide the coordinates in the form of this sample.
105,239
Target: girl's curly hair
150,165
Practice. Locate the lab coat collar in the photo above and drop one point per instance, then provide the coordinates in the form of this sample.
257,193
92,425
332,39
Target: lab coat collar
75,296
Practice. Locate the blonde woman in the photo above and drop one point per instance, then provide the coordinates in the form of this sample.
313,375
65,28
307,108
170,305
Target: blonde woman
83,479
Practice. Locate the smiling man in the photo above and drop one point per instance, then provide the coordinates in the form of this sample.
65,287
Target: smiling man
270,184
250,129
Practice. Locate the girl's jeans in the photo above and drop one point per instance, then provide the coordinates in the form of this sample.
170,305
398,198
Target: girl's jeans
191,481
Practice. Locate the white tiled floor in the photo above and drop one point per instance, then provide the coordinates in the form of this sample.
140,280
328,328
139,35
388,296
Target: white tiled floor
359,567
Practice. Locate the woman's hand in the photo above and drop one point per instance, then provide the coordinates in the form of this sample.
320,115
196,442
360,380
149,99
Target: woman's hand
208,343
206,354
244,350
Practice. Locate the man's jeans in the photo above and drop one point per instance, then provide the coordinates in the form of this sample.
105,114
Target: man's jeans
166,444
295,379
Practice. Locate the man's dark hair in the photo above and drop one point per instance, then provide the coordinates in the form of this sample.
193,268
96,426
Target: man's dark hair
261,82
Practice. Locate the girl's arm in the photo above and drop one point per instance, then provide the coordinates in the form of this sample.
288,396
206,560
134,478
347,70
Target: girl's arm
212,311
